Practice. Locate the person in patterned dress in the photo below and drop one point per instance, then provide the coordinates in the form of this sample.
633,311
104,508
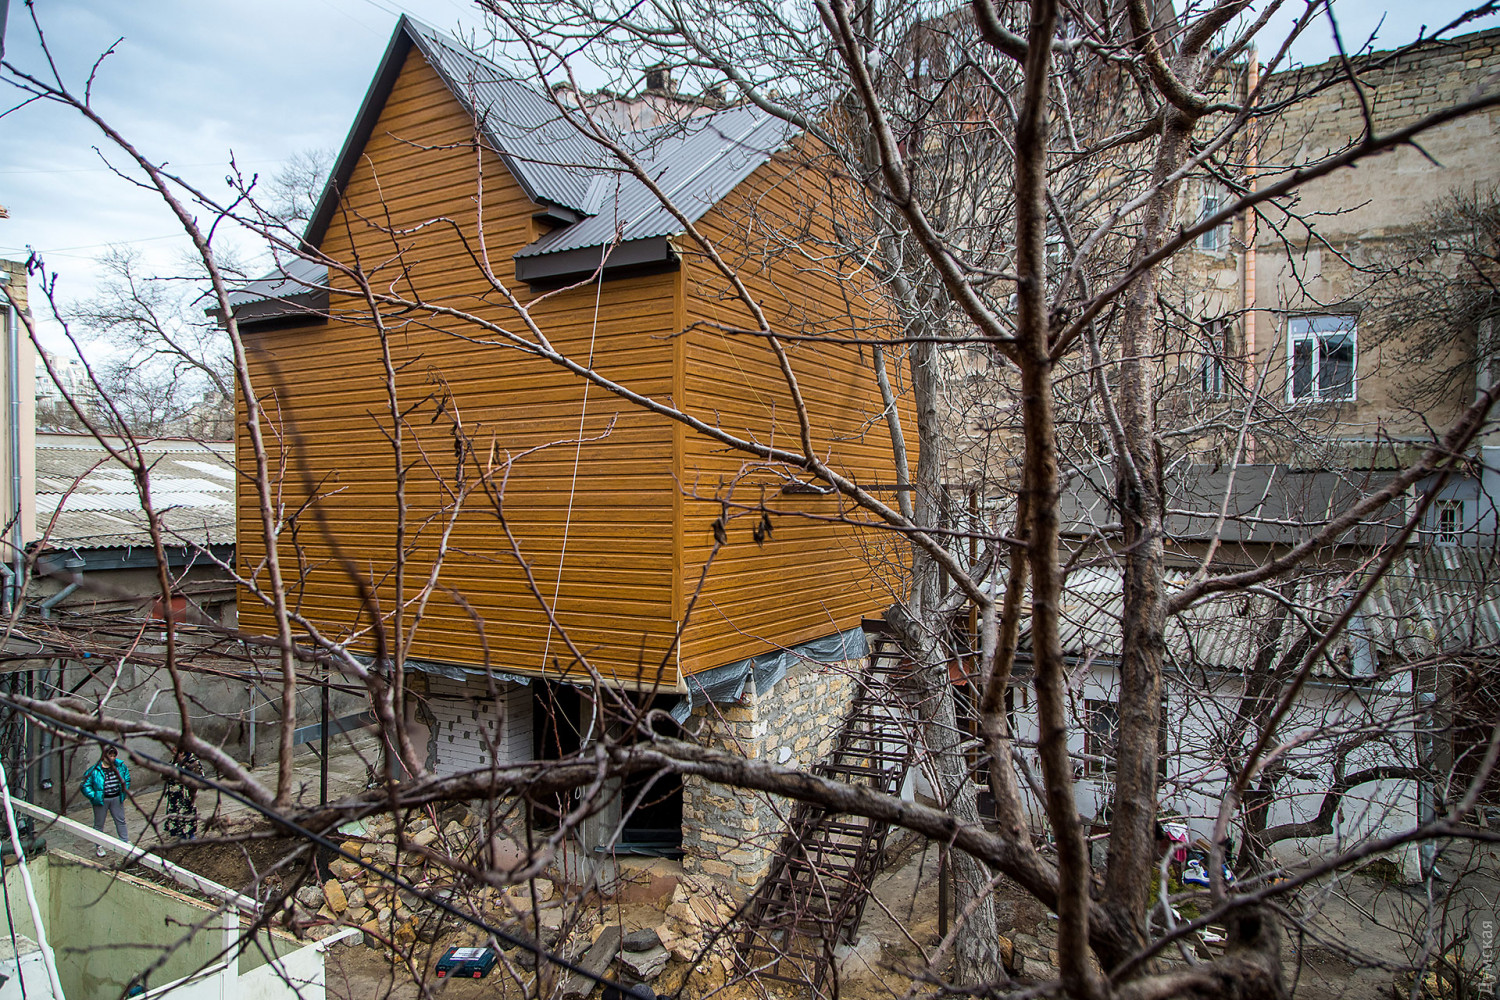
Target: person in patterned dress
180,793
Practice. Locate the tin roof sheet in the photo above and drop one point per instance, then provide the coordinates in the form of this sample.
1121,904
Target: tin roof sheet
551,159
96,504
1435,601
294,277
695,164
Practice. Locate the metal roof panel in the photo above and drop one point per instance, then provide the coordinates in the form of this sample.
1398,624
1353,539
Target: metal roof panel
95,503
695,165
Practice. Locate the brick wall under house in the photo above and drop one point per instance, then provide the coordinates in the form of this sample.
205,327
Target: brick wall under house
473,723
731,833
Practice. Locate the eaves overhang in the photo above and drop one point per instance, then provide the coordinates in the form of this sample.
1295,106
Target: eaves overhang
63,562
646,256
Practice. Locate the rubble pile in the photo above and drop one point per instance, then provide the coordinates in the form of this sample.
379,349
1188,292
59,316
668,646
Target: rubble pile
658,932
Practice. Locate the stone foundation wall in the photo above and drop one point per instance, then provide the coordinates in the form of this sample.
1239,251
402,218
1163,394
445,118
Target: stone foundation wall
730,833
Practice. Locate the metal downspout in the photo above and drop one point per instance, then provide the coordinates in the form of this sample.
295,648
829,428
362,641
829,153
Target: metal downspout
56,599
13,389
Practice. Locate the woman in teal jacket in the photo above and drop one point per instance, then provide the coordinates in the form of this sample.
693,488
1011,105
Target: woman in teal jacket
105,785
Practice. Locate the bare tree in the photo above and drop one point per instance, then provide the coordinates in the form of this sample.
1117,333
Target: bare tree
1060,276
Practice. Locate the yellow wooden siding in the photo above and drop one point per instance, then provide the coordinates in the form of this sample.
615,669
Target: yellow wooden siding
812,577
324,387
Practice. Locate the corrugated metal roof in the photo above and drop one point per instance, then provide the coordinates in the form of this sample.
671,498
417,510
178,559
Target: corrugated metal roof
97,506
294,278
1436,600
552,161
1268,504
1220,633
695,164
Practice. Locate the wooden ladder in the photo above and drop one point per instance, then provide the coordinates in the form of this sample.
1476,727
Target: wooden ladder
814,893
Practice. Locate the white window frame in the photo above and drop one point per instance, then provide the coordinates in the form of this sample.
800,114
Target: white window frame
1316,338
1212,376
1215,240
1447,509
1101,736
1056,252
1213,366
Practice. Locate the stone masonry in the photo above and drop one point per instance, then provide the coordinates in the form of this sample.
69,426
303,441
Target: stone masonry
728,833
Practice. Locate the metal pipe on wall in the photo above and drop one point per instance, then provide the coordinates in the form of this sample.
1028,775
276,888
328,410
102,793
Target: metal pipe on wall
44,775
323,763
250,691
48,957
13,395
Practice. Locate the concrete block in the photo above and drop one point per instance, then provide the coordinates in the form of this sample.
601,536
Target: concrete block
645,965
858,960
595,960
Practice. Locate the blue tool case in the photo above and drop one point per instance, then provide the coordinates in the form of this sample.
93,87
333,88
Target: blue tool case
466,963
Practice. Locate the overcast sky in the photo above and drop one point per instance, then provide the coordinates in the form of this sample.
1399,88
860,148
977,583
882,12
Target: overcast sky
194,81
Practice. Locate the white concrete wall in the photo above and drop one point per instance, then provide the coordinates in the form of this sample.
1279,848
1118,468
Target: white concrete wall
105,927
26,396
300,971
27,978
1196,778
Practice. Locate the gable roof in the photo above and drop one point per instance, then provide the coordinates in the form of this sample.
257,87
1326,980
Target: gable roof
697,162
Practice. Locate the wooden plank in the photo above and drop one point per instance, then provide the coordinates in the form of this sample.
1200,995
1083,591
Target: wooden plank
328,378
810,579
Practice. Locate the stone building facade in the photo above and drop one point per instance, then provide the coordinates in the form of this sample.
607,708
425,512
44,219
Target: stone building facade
730,833
1354,239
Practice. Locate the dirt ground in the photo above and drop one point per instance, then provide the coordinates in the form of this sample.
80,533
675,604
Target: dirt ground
1348,923
237,862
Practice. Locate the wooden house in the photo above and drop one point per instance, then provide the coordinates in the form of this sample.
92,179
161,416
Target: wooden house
451,171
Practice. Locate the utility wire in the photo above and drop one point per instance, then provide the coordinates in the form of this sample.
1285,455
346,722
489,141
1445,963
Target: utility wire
15,947
535,947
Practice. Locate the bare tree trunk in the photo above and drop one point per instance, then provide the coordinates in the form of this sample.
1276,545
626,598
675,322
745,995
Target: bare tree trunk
1042,490
976,944
923,634
1132,841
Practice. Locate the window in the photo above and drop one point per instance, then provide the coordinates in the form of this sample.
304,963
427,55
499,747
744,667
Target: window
1217,238
1057,255
1212,369
1450,521
1320,354
1101,736
1212,375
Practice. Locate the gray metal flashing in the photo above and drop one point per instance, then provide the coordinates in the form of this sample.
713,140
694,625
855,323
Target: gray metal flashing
359,133
556,215
584,261
101,558
313,305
